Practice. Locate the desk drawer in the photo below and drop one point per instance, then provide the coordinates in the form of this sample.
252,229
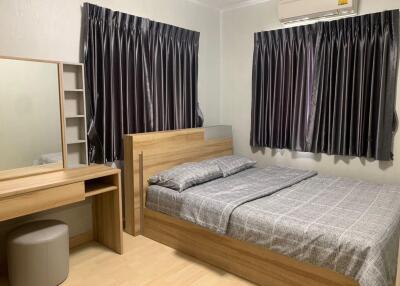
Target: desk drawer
37,201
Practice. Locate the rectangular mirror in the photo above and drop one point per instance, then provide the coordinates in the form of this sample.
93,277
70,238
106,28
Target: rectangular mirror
30,121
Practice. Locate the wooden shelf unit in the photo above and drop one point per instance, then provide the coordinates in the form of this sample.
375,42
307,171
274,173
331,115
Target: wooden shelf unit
74,105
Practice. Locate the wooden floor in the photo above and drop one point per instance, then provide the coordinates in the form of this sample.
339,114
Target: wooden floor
145,262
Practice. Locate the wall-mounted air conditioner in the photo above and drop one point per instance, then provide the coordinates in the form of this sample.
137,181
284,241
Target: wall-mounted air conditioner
302,10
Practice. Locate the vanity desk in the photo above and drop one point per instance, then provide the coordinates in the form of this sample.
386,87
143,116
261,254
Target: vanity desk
44,151
31,194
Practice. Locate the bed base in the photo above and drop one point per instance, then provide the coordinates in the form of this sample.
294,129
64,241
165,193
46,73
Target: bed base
249,261
149,153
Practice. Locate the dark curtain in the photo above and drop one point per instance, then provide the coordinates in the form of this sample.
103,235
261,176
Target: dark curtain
174,61
355,86
139,78
282,81
328,87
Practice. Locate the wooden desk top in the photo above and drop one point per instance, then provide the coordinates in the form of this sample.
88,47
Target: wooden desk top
23,185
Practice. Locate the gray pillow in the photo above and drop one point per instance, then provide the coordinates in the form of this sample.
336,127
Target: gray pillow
186,175
233,164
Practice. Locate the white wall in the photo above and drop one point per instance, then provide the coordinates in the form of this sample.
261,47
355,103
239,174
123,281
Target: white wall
51,29
238,28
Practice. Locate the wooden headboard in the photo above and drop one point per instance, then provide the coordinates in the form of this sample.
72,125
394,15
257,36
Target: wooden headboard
149,153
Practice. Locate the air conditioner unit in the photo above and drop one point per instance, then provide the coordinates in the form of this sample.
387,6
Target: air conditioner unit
302,10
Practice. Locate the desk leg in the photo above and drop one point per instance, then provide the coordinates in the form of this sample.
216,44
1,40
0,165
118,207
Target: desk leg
107,217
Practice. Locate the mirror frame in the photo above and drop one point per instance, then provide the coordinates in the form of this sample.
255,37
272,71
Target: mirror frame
48,168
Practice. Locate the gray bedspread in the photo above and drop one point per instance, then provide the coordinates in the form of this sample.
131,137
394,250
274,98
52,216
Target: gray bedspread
345,225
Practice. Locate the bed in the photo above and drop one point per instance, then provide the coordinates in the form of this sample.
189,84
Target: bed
303,229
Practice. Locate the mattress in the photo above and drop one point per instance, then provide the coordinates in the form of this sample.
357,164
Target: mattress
349,226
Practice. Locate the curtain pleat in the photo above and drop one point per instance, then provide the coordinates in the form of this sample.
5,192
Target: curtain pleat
282,74
140,75
355,85
327,87
174,57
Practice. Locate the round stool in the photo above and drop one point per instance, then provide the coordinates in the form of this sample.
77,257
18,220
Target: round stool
38,254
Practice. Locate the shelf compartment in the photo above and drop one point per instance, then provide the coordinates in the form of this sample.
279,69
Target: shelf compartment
76,155
75,129
73,103
98,186
73,77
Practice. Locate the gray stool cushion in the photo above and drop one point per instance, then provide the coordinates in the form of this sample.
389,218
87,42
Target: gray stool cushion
38,254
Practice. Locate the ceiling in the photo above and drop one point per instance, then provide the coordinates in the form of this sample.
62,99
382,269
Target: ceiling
227,4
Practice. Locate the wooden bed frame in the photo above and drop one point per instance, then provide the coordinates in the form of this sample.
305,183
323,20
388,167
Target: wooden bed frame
146,154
